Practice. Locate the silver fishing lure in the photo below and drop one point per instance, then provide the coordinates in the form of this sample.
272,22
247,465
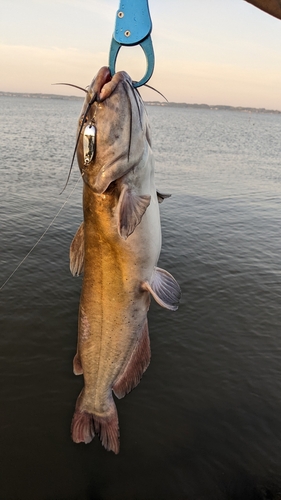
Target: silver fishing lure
89,143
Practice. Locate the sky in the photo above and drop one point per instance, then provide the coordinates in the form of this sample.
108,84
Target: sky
206,51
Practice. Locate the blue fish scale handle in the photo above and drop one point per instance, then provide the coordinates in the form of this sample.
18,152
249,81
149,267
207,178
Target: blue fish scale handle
133,22
133,27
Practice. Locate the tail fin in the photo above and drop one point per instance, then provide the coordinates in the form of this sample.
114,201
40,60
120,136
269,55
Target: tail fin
82,427
86,425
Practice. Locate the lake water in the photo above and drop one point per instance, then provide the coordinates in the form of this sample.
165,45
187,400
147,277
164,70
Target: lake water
205,421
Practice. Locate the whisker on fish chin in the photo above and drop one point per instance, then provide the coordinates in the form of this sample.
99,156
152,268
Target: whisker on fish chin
131,120
137,103
71,85
152,88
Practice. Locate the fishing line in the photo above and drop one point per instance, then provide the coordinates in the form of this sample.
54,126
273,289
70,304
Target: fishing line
41,237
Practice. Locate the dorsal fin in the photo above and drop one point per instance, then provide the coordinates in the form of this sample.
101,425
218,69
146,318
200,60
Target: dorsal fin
161,196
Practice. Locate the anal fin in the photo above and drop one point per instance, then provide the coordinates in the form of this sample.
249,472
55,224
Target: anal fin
130,210
76,252
136,366
164,289
77,366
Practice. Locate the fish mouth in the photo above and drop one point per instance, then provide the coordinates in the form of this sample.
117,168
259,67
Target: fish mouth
104,84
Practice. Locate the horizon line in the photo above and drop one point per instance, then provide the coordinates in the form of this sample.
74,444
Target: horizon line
226,107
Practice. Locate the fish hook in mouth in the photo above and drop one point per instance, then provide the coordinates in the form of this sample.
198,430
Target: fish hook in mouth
100,93
99,84
94,98
103,77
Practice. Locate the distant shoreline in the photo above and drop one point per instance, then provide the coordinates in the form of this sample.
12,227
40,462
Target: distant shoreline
41,96
217,107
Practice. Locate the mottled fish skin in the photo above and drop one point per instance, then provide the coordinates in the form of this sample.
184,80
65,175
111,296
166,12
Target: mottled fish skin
118,246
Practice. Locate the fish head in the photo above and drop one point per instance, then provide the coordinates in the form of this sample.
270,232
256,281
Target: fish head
113,130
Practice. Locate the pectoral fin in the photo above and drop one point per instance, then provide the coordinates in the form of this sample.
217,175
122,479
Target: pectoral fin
76,252
164,289
161,196
130,210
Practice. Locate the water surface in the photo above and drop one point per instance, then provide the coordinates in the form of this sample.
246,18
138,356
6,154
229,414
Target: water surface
204,423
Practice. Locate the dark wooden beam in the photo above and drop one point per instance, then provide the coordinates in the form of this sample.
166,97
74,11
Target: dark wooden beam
272,7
